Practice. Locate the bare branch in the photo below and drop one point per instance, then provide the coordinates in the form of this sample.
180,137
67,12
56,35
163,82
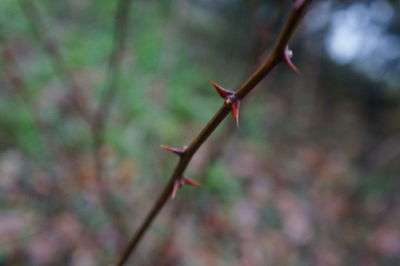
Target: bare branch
96,125
121,19
52,51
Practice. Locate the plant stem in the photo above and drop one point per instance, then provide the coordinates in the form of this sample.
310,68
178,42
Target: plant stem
275,57
96,122
120,29
121,20
52,50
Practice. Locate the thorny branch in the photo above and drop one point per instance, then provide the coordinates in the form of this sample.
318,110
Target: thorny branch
280,53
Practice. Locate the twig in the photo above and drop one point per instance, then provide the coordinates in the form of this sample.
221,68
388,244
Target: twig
52,50
121,19
280,53
58,63
17,86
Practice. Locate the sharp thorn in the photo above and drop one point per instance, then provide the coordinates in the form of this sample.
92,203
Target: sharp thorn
180,182
224,93
187,181
179,151
175,188
235,111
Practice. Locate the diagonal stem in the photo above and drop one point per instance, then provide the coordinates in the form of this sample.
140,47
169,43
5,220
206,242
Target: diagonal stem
275,57
121,19
52,51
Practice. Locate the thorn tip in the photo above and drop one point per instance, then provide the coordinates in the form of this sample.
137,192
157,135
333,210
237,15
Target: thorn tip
187,181
224,93
235,111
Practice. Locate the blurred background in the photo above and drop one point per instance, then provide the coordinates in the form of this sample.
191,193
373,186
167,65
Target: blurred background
311,176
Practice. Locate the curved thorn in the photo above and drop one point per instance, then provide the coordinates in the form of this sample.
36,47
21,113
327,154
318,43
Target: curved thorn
288,54
235,111
224,93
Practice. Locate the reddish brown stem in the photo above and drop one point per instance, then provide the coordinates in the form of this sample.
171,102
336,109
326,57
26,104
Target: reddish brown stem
275,57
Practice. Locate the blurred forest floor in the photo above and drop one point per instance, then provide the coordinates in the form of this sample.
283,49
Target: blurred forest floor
311,176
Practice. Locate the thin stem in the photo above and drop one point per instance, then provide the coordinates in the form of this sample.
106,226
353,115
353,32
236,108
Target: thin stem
275,57
52,51
18,88
121,19
57,61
